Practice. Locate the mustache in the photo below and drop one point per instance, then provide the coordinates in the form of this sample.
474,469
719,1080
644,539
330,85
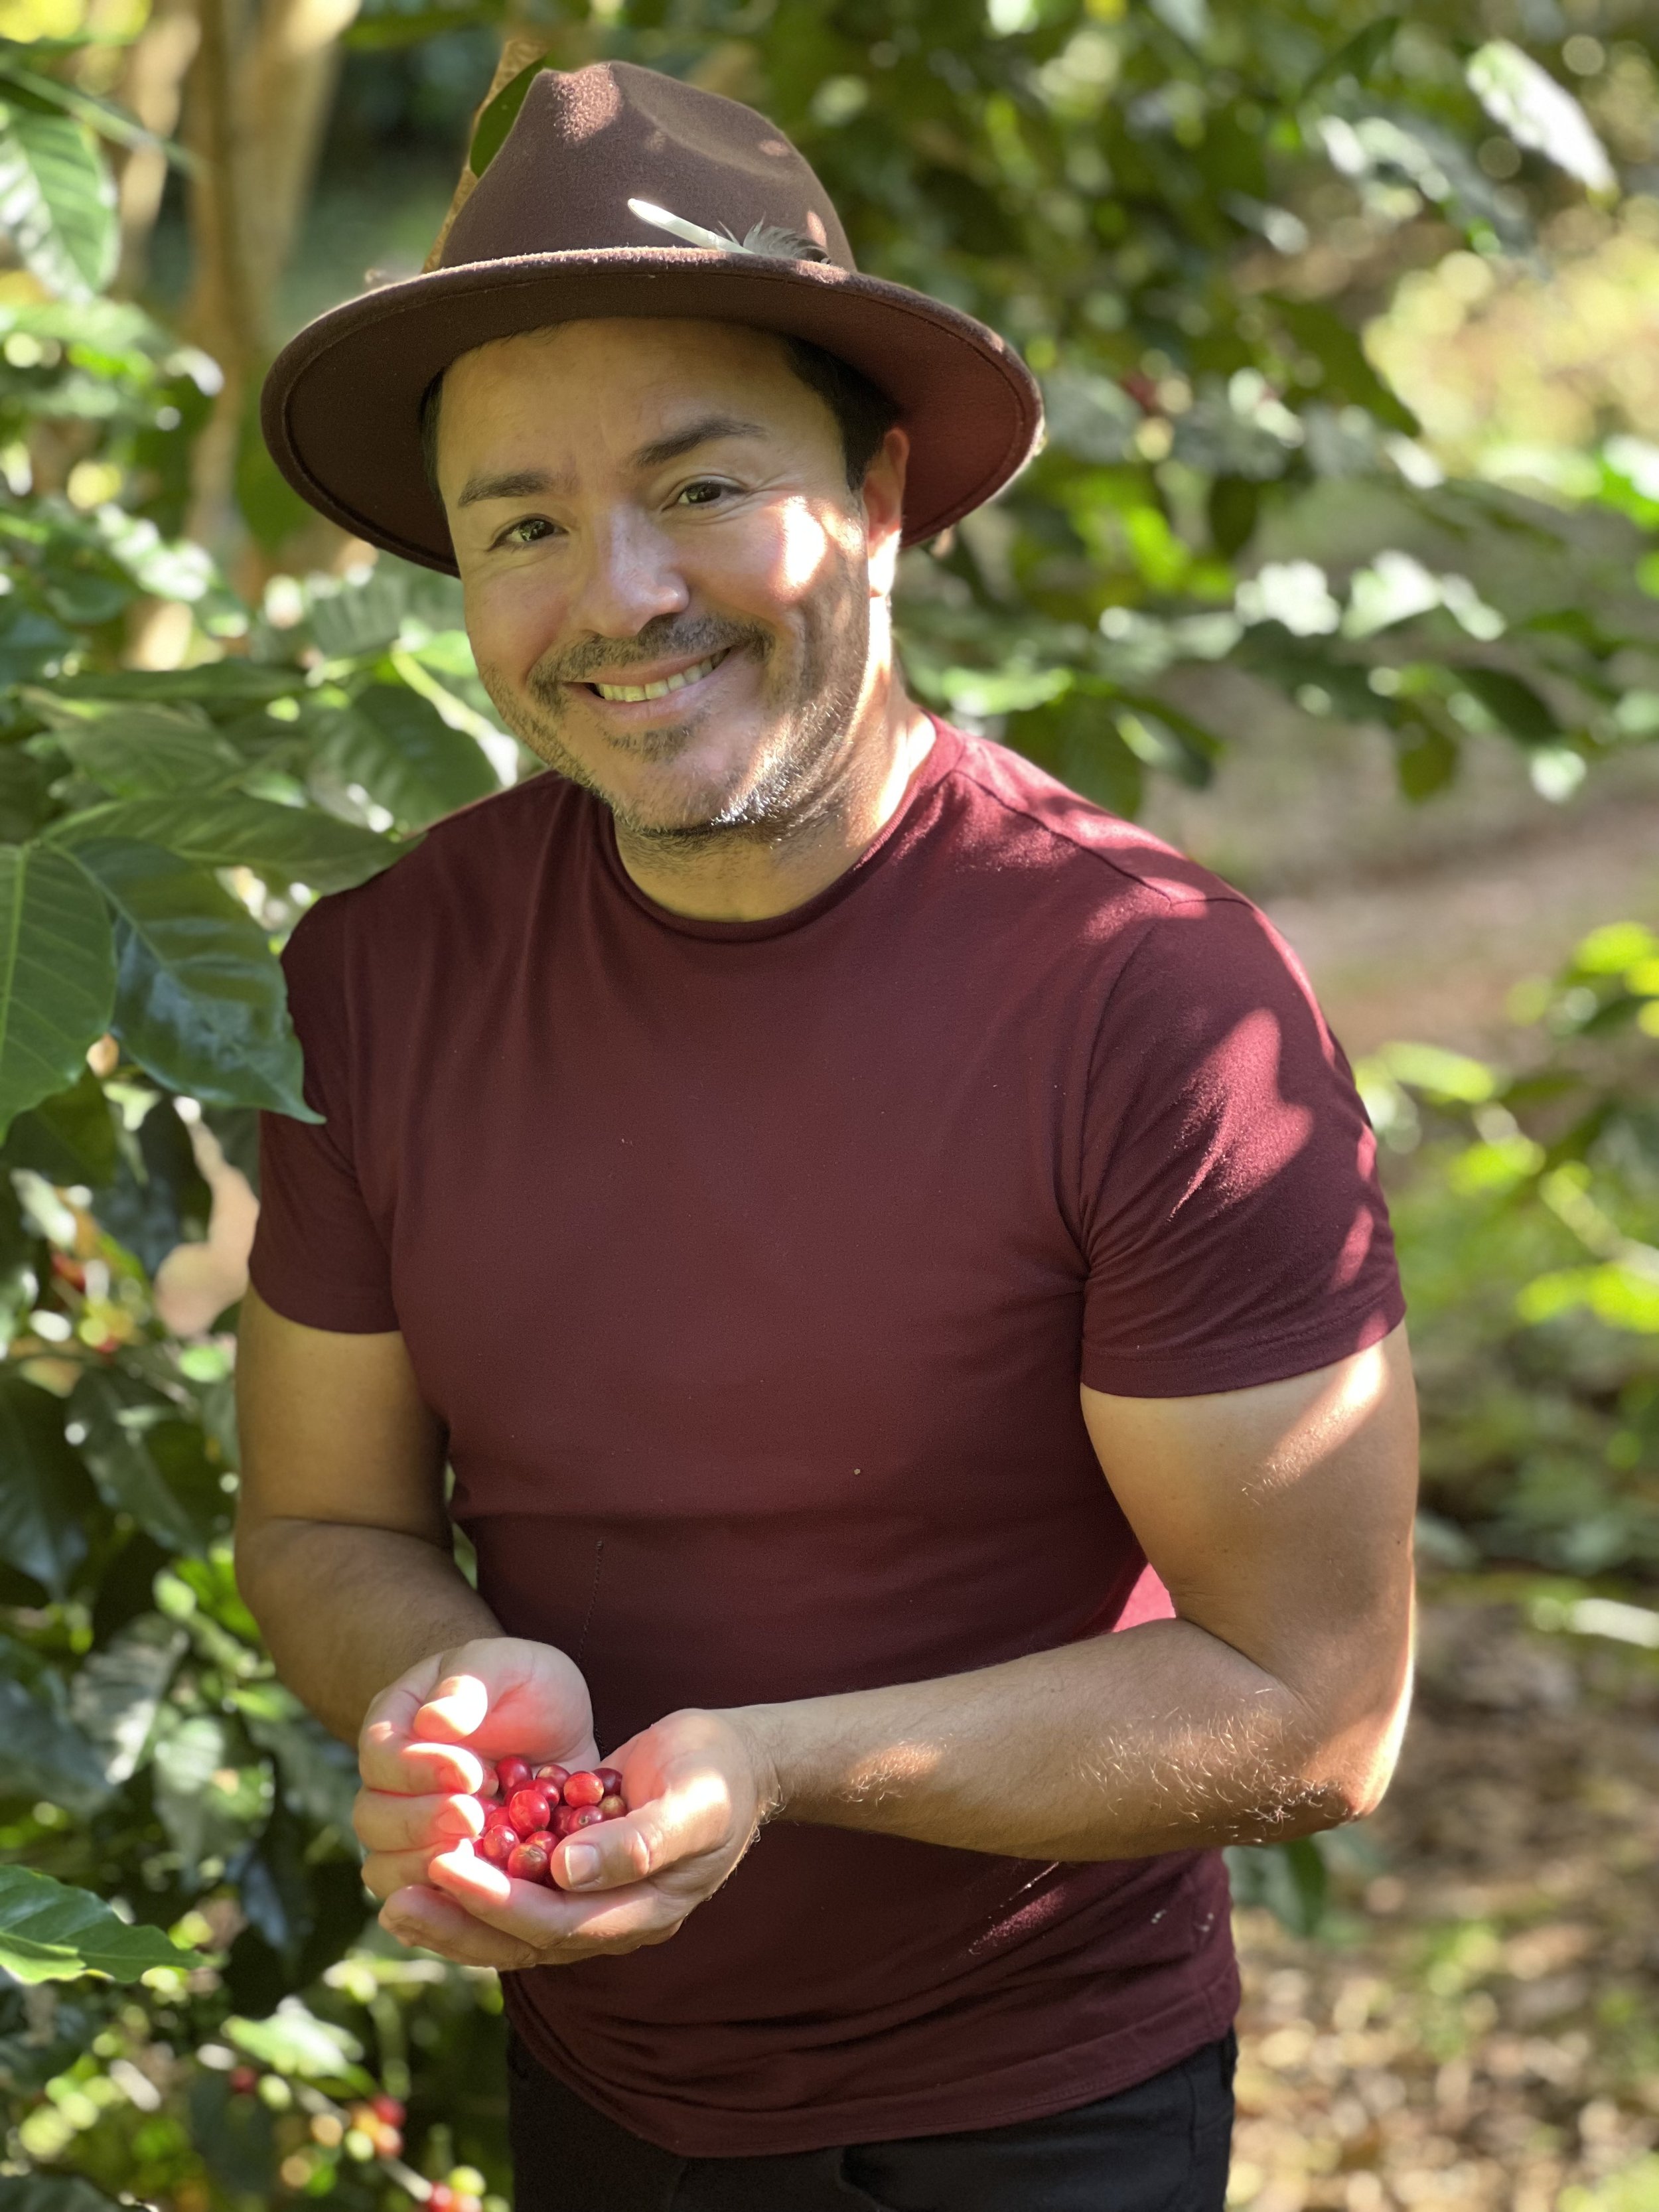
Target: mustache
661,638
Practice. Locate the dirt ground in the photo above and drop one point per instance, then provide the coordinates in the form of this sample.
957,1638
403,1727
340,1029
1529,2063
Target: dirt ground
1434,955
1417,922
1478,2028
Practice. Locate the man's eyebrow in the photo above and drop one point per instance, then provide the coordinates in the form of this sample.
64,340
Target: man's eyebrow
702,433
531,484
518,484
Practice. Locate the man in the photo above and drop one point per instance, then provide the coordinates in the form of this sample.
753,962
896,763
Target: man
842,1205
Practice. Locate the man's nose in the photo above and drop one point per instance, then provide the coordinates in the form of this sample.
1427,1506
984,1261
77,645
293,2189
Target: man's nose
629,576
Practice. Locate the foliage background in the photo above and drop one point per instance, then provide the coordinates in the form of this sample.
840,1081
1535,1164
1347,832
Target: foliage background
1341,318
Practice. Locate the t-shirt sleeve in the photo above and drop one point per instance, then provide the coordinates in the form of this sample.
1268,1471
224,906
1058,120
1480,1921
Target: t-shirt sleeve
317,1256
1234,1228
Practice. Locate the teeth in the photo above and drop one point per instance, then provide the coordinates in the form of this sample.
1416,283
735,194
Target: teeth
658,691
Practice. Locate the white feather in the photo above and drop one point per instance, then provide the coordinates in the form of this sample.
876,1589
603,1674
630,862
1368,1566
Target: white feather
765,239
692,233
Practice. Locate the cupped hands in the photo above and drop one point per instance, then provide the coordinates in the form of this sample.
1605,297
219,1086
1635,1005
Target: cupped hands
697,1784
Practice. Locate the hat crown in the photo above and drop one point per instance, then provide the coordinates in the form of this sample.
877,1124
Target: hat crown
589,146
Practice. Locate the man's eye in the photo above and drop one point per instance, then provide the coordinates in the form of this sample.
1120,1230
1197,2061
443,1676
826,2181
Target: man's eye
529,531
705,492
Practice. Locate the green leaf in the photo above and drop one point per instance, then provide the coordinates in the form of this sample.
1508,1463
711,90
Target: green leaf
128,1428
148,752
53,2192
350,621
69,1138
51,1933
1357,57
24,794
1076,738
56,202
157,1197
226,684
103,117
319,1773
1427,759
199,995
236,2137
56,975
289,844
81,582
116,1695
1522,98
1441,1074
295,2041
29,639
1233,505
1509,700
44,1755
499,117
46,1499
406,757
185,1759
1349,376
1164,737
19,1284
304,1910
1291,1879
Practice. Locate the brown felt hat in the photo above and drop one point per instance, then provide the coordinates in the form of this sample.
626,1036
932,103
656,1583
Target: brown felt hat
621,192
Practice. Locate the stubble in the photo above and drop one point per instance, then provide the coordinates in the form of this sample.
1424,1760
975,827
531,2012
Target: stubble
797,771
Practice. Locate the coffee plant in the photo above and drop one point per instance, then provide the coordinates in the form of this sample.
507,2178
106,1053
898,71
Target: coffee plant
195,2006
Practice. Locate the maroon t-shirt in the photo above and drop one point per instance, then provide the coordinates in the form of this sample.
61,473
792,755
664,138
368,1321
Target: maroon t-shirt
753,1267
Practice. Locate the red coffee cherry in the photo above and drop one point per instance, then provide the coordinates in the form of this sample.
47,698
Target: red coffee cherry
440,2197
511,1774
552,1777
528,1809
584,1789
583,1816
611,1779
389,2109
612,1808
528,1863
497,1846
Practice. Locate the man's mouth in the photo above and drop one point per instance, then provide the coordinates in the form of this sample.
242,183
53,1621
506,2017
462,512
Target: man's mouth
629,692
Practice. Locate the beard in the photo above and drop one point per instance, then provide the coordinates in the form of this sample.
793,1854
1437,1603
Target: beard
810,691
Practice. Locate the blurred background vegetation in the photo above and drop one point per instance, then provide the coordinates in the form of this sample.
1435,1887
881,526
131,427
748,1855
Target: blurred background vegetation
1341,568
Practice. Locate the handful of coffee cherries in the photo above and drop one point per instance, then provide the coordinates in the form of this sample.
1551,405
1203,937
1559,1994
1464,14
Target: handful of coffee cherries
536,1807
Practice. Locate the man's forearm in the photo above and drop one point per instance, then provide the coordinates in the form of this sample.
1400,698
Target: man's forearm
345,1610
1163,1738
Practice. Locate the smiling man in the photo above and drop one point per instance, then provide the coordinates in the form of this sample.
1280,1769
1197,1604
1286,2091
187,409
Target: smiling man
889,1253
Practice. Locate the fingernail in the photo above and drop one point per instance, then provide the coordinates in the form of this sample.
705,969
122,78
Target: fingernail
581,1863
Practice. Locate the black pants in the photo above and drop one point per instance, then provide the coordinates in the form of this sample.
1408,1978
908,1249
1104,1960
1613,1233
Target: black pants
1160,2147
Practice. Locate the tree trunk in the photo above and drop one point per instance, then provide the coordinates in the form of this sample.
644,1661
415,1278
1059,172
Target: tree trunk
285,90
256,108
151,86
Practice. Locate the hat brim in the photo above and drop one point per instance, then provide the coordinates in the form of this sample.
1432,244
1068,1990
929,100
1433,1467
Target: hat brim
340,405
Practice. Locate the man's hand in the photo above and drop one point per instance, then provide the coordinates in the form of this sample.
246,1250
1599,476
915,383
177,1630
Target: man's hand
699,1791
421,1747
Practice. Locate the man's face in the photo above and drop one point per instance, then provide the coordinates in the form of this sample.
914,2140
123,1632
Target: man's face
636,505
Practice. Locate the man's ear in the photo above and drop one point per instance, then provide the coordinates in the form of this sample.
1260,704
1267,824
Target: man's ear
883,498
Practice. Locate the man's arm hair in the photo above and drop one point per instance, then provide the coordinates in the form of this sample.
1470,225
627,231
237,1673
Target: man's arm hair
343,1551
1281,1520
